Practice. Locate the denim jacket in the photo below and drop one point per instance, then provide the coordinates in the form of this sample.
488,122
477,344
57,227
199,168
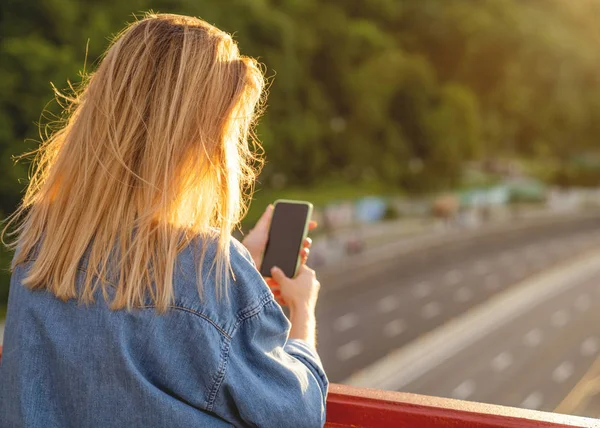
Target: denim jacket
205,362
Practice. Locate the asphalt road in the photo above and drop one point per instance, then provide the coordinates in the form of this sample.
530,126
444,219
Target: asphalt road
533,361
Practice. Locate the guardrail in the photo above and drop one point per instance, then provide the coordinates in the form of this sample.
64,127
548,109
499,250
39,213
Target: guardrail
371,408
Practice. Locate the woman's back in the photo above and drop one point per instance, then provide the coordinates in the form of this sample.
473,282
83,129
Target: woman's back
119,314
204,362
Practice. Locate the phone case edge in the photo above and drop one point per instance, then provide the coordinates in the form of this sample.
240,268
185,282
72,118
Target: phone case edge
306,224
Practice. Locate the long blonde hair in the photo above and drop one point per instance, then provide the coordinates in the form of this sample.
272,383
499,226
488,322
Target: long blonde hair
153,153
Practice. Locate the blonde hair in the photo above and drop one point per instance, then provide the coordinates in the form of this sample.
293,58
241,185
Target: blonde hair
154,152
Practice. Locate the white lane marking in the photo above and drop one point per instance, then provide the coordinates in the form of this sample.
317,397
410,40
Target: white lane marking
464,390
589,347
345,322
431,310
533,338
387,304
463,294
349,350
481,267
560,318
562,372
491,282
453,277
533,401
394,328
502,361
582,303
411,361
422,289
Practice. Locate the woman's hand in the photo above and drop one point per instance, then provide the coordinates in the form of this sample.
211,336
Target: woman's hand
301,293
256,240
272,282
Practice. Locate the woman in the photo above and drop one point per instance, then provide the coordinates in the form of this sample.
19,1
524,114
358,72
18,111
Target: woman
130,302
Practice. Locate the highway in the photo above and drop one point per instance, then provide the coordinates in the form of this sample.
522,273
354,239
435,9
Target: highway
532,358
431,319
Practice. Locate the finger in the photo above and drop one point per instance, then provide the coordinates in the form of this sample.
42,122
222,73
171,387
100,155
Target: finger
304,257
304,270
271,282
312,225
278,275
265,219
304,254
307,243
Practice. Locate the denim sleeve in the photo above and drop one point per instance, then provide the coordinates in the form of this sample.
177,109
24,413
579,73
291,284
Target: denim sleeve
270,381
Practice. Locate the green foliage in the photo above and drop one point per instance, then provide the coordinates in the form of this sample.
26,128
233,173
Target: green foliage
362,89
573,175
366,91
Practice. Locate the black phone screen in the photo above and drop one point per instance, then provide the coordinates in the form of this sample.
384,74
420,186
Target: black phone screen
285,238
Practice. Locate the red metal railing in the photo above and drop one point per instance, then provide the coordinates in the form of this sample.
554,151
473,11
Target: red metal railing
371,408
359,407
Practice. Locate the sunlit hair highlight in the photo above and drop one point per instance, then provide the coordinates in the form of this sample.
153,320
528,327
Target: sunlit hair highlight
156,150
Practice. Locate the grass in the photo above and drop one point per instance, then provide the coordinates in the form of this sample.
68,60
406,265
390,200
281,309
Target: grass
319,195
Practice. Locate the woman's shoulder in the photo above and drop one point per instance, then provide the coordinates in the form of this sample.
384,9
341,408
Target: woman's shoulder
227,300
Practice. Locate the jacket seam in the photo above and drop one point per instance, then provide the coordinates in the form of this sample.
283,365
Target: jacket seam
313,367
222,371
220,375
253,310
193,312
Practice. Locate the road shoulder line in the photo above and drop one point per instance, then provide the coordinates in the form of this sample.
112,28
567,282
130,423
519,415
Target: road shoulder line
587,387
413,360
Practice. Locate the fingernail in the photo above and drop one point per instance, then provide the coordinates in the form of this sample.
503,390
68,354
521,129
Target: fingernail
275,269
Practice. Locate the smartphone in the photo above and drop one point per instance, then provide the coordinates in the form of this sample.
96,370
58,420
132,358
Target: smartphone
289,227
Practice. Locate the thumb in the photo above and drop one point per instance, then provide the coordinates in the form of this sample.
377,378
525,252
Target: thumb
265,219
278,275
